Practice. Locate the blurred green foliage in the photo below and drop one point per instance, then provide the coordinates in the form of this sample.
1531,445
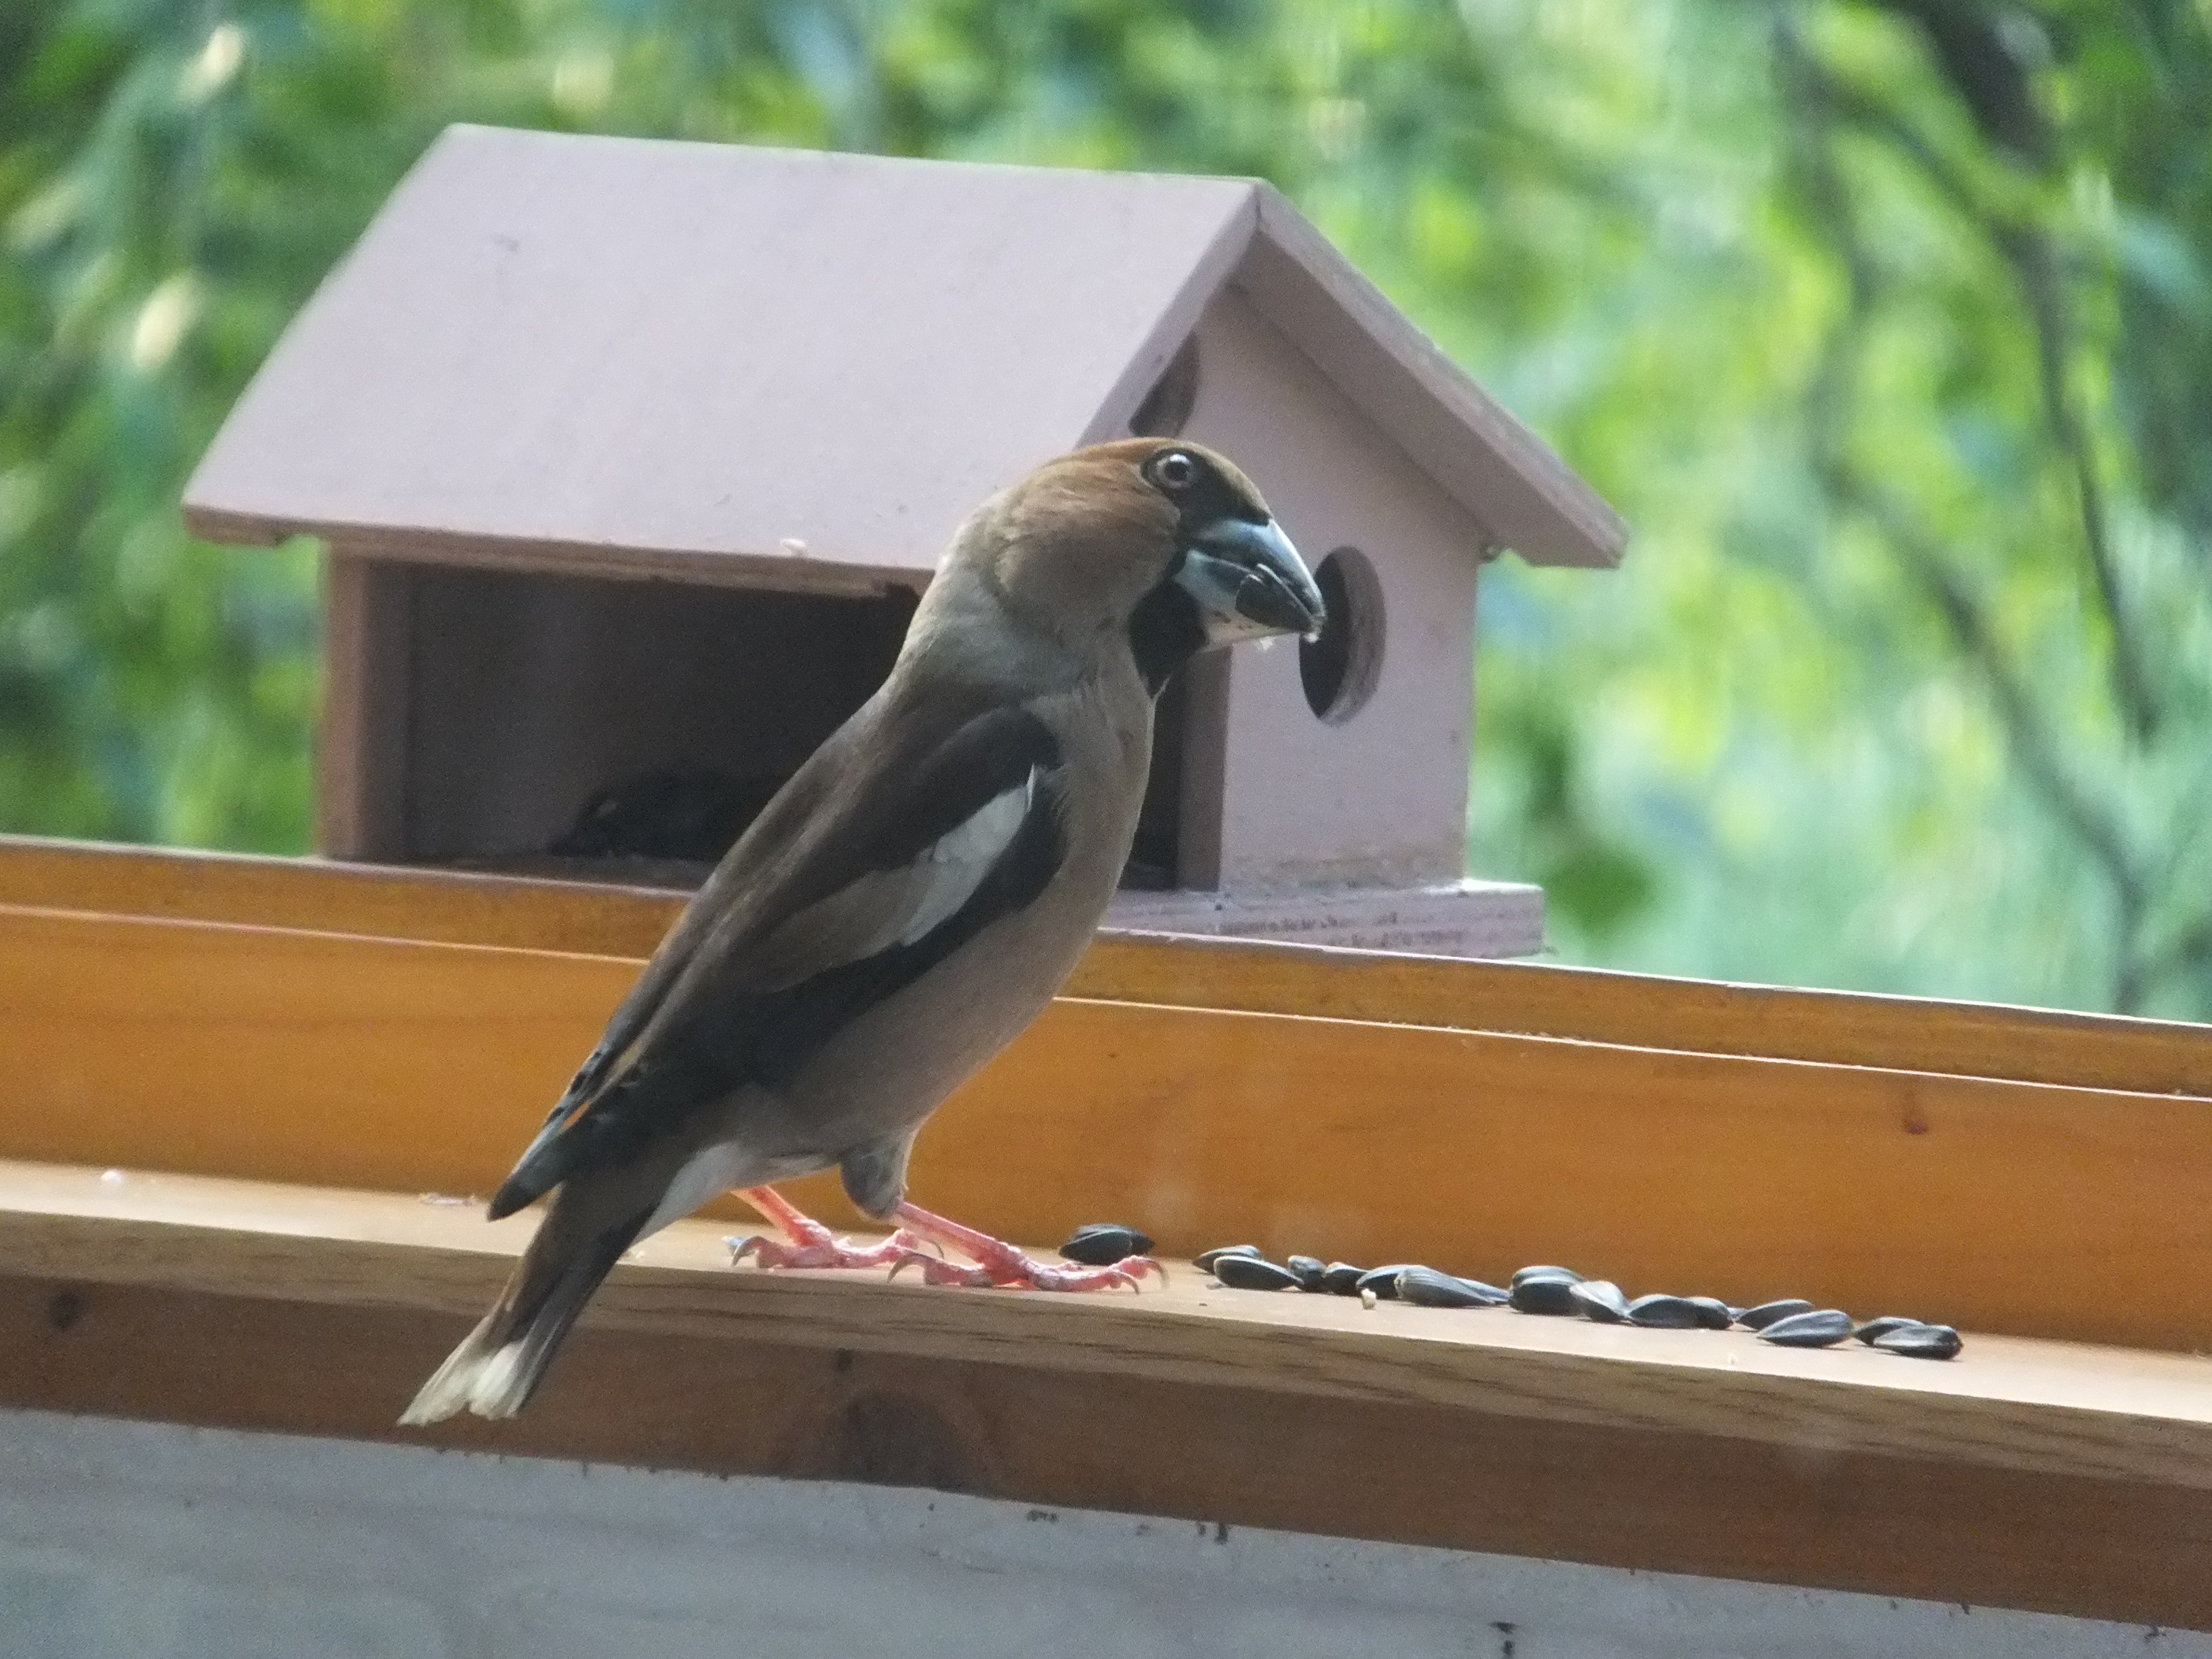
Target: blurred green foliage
1887,323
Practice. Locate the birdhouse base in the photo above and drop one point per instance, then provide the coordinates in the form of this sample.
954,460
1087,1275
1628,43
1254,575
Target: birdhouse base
1451,919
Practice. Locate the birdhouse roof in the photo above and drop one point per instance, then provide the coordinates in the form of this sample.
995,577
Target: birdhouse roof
751,364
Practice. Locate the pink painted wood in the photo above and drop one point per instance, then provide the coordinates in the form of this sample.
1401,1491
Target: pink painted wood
775,367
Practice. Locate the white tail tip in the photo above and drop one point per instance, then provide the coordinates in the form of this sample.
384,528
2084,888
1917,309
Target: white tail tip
491,1381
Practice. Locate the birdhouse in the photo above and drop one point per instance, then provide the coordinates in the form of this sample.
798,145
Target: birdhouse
632,456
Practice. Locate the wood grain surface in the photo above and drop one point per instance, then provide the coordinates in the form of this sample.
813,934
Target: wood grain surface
1641,1011
1216,1457
361,743
406,1065
2051,1476
2058,1408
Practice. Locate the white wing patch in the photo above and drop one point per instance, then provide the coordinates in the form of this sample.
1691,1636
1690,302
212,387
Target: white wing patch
954,865
886,907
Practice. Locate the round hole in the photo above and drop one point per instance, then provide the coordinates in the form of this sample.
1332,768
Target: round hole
1340,669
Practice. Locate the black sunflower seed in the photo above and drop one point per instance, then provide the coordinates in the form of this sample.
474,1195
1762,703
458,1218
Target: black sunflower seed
1309,1270
1822,1328
1102,1243
1920,1341
1567,1274
1252,1273
1600,1299
1383,1281
1665,1313
1204,1259
1427,1287
1758,1318
1342,1278
1713,1314
1874,1329
1536,1293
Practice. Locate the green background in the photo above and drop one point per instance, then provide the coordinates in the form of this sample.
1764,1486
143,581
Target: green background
1888,326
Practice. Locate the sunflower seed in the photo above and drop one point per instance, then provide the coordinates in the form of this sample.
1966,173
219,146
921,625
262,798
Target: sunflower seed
1102,1243
1920,1341
1252,1273
1204,1259
1309,1270
1567,1274
1426,1287
1758,1318
1342,1278
1713,1314
1600,1299
1874,1329
1537,1293
1665,1313
1821,1329
1383,1281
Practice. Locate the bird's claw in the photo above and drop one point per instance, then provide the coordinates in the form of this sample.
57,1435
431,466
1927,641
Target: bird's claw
1017,1270
806,1243
776,1255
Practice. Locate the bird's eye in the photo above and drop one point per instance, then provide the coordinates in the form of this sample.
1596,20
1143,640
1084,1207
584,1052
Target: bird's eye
1176,470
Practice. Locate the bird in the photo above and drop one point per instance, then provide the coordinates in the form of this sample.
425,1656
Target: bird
911,898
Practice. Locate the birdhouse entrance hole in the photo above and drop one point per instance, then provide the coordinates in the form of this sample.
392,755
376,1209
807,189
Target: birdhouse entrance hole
1338,669
612,729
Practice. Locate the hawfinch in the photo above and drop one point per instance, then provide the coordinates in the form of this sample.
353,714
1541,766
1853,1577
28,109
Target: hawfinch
904,906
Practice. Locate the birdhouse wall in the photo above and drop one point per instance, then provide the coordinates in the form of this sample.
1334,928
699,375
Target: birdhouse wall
1273,792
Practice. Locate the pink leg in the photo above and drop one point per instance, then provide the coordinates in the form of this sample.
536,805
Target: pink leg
811,1244
1000,1263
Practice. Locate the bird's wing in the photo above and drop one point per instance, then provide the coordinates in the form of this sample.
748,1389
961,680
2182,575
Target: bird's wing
898,842
740,872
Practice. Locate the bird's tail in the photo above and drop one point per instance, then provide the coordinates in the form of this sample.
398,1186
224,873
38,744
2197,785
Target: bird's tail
500,1364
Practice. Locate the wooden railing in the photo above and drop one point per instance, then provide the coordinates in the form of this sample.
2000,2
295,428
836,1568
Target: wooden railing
289,1068
1633,1010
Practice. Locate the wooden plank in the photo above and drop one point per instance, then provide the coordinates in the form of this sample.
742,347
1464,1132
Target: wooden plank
1216,1457
1641,1010
360,769
2036,1475
375,900
411,1066
1966,1039
2060,1409
552,556
530,350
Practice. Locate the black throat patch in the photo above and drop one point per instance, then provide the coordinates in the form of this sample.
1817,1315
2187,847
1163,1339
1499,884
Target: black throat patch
1166,632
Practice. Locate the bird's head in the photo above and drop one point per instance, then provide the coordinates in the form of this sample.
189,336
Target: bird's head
1161,543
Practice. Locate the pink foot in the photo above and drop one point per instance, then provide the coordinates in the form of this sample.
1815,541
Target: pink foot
998,1263
810,1243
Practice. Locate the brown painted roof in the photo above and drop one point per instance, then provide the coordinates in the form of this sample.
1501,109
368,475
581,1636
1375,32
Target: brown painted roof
629,354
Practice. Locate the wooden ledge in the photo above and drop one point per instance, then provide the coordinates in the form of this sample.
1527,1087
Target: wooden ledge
1960,1039
2035,1475
2049,1407
2040,1174
326,1059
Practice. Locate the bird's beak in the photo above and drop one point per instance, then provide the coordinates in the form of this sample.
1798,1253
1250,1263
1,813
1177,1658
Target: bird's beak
1249,582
